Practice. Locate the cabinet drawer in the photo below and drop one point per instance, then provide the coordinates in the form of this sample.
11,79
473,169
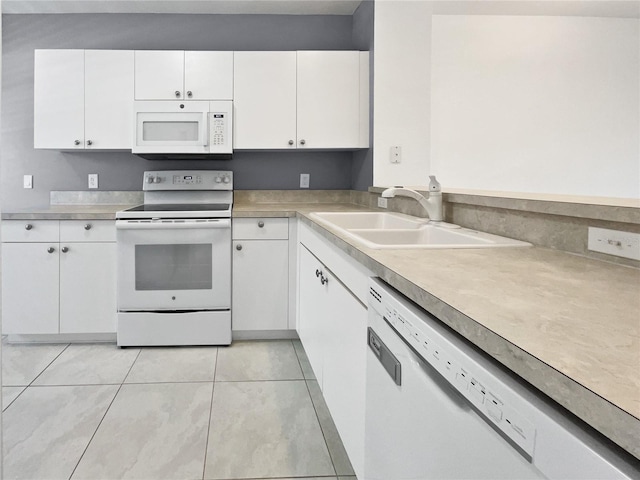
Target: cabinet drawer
30,231
260,228
87,231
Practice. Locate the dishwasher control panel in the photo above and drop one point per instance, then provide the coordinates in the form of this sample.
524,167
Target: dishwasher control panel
493,400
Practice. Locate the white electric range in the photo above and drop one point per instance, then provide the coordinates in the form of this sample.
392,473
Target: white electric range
174,261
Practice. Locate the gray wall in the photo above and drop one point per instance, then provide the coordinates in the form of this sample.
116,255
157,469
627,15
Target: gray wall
53,170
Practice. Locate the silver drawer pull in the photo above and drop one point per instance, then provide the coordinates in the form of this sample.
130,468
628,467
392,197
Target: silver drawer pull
87,226
51,249
28,226
260,224
65,249
238,247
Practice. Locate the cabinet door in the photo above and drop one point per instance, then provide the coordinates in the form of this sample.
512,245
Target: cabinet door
88,288
108,85
328,96
30,288
159,74
208,75
264,100
312,309
58,99
344,368
260,285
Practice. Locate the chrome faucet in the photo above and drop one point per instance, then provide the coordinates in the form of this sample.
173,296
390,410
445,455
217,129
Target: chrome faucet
432,204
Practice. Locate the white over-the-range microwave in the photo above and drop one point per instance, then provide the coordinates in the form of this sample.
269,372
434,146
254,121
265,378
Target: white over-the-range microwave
175,129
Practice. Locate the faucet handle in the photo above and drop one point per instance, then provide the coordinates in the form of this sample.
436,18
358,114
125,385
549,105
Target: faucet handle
434,185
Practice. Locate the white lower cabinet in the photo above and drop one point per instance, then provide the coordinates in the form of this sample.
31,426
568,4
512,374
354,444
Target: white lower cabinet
260,293
332,325
58,277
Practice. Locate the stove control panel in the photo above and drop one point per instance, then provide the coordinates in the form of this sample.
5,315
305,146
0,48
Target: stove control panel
188,180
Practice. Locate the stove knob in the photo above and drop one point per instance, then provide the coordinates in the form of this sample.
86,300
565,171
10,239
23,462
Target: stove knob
226,179
158,179
218,179
149,179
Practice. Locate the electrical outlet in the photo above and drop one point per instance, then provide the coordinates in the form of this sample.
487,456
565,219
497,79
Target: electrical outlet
304,180
93,180
614,242
27,181
382,202
396,154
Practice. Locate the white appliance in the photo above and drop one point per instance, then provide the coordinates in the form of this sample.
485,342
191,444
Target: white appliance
437,408
174,261
183,129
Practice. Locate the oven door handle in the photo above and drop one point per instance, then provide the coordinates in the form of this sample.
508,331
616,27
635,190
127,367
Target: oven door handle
160,225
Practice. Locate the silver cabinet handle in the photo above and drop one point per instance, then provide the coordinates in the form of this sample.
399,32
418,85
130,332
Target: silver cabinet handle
189,94
260,224
290,142
89,142
51,249
65,249
177,92
76,142
302,142
238,247
87,226
28,226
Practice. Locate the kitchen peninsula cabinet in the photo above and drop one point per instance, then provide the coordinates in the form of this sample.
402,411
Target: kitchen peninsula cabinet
59,277
188,75
82,99
260,293
332,325
305,99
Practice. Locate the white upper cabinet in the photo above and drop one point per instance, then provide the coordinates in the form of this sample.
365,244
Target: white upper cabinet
108,90
177,75
328,93
82,99
306,99
59,99
264,100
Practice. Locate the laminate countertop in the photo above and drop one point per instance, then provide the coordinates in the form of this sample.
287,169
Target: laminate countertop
566,324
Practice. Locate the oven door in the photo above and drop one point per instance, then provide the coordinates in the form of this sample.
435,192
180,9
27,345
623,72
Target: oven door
170,265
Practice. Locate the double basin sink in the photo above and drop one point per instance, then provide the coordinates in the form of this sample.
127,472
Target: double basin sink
387,230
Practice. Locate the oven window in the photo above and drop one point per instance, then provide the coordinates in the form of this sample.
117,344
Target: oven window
174,267
185,131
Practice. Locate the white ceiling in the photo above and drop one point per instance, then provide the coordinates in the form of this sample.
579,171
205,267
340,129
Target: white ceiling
282,7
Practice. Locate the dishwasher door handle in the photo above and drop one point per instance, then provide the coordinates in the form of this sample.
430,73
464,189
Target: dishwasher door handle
384,356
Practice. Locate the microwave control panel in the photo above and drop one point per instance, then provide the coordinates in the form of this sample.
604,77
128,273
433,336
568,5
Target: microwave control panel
220,121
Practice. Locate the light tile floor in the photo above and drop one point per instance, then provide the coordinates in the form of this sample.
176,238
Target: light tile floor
252,410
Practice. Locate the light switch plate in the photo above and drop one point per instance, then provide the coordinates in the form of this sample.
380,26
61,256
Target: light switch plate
382,202
614,242
93,180
28,181
304,180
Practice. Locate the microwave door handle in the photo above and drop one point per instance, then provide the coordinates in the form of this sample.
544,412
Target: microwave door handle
205,129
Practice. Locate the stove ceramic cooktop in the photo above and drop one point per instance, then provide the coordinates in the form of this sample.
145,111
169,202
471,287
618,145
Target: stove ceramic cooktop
177,210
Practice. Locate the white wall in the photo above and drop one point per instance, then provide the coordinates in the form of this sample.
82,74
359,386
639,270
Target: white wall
575,82
536,104
401,96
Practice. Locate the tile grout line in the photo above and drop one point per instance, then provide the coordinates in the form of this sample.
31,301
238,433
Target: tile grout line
105,414
37,376
306,384
213,387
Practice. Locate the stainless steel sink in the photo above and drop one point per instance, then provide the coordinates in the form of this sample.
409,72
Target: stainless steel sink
387,230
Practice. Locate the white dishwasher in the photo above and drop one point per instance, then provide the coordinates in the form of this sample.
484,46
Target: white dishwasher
437,408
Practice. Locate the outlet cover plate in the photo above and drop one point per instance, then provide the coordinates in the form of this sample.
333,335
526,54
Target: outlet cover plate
93,180
614,242
304,180
27,181
382,202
